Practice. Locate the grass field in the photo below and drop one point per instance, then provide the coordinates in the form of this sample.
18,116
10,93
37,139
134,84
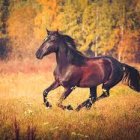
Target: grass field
23,115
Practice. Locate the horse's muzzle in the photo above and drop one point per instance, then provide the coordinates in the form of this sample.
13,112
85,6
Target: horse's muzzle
39,54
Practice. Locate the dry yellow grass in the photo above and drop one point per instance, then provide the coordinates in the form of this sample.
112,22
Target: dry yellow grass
23,115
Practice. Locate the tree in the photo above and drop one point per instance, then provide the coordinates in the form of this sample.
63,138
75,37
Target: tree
21,27
115,22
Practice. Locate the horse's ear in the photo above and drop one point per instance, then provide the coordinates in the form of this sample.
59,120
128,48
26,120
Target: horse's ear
47,31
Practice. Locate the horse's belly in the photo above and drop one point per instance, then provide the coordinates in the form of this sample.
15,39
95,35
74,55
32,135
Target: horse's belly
91,77
90,82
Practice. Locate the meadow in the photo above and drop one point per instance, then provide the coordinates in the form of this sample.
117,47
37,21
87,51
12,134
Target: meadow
98,27
24,117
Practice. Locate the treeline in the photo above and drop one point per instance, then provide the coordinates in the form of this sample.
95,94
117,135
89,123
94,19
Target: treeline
99,27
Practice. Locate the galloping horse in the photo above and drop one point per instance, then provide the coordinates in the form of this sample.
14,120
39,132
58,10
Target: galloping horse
76,70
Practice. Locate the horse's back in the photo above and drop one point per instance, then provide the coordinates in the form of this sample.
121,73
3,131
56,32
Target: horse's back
99,70
116,70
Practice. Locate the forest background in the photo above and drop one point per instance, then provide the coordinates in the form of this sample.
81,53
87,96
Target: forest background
99,27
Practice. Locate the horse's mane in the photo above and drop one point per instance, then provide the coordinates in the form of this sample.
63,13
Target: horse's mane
73,54
69,41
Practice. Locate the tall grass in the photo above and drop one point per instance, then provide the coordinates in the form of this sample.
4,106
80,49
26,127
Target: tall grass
23,115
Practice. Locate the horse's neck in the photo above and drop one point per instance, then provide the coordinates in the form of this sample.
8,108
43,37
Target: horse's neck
61,59
67,56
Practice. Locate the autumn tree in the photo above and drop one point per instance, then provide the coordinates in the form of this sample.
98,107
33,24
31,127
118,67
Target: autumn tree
21,27
104,27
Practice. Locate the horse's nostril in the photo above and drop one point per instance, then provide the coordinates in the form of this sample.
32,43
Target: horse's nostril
39,54
36,54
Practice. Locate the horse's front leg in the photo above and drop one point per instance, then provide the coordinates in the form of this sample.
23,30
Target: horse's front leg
92,98
63,97
53,86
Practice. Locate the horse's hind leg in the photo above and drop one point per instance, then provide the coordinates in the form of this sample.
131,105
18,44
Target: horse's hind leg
105,92
92,98
114,79
107,86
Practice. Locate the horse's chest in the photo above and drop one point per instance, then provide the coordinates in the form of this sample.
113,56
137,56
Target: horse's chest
58,74
63,80
66,78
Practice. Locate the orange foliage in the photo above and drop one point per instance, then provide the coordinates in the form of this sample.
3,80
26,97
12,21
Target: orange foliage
129,45
46,17
20,28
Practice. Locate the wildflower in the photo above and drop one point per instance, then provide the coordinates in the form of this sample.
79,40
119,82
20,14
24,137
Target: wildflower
54,128
73,133
80,135
46,123
86,136
28,112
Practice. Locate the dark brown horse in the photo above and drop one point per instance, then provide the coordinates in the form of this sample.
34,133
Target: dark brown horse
75,70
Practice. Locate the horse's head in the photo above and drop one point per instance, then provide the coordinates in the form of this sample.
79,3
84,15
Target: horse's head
49,45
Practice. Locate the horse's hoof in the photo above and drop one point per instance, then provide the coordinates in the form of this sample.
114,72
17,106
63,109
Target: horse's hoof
78,108
69,107
47,104
88,106
104,95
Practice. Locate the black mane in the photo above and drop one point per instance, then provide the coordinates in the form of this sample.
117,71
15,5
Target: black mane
73,55
70,41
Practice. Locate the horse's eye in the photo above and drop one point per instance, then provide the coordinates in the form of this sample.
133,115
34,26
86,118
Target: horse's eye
53,37
46,38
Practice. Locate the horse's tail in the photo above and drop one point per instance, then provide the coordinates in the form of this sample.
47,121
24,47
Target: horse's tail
131,77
